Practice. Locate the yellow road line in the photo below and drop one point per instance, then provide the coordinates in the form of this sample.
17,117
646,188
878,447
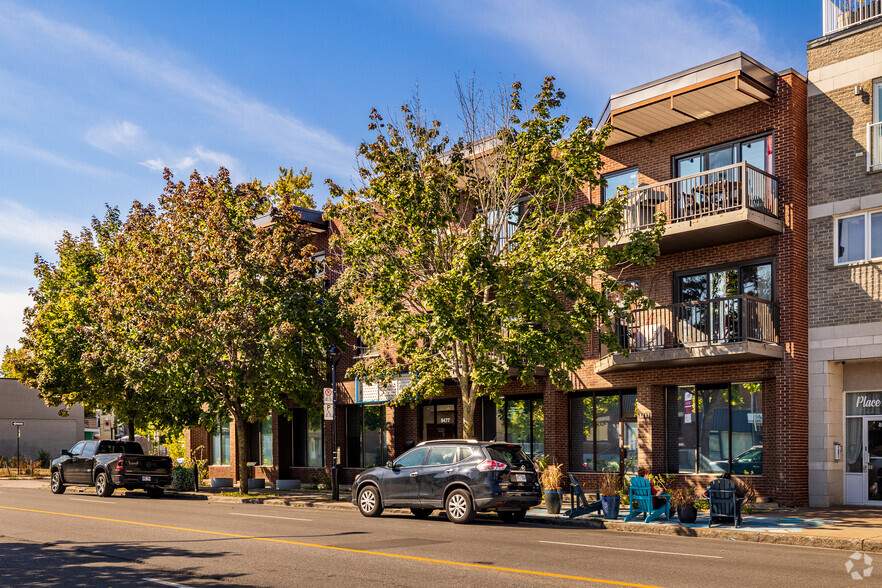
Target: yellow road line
331,547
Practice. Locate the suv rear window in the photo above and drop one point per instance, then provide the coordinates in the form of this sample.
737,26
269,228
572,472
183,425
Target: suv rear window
512,454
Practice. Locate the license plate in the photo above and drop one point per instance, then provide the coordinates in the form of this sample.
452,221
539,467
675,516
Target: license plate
146,478
520,477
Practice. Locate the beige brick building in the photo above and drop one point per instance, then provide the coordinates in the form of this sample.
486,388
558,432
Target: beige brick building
845,251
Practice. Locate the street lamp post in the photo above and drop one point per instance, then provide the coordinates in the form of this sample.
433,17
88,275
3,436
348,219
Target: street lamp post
334,354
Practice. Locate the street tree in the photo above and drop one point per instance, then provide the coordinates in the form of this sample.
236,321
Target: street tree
480,259
59,355
226,314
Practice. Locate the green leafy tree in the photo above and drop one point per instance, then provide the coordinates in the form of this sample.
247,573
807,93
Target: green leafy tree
224,314
59,353
473,260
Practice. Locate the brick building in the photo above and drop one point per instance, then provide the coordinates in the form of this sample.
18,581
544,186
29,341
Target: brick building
717,373
845,248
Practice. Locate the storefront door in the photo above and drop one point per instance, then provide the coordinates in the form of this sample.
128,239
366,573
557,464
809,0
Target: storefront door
873,460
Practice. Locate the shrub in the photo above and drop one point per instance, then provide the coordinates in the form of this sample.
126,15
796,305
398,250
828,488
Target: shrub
44,458
182,478
610,484
551,476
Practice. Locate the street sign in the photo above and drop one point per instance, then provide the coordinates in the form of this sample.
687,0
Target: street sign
17,424
328,396
329,412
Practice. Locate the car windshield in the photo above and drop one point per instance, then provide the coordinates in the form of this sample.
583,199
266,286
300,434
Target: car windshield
511,454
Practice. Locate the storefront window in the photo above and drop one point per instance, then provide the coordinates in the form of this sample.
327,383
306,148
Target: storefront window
522,421
603,433
366,435
439,421
307,435
261,440
220,444
715,429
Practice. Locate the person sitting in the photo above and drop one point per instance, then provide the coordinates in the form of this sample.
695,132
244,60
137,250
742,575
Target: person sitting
656,502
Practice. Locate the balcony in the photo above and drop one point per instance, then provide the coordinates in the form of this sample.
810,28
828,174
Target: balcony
723,205
874,147
734,328
842,14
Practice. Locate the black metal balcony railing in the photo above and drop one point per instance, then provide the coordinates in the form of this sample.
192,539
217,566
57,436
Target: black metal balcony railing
724,189
731,319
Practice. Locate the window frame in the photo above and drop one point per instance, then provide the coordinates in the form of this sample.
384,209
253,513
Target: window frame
868,237
218,432
669,426
738,265
300,439
530,398
615,174
593,394
704,151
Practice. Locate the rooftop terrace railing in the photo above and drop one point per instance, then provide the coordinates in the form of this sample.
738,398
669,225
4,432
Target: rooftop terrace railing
687,198
841,14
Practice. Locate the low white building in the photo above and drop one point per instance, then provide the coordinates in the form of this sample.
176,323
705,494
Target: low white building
43,428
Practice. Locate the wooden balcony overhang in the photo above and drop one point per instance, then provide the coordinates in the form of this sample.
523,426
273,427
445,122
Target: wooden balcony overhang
685,356
697,93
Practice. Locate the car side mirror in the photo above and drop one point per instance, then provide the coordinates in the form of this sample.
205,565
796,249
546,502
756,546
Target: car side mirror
390,465
65,452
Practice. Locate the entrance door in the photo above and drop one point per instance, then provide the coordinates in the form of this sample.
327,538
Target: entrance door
873,460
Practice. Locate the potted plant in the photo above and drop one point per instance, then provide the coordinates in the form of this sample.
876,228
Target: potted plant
610,485
684,499
550,477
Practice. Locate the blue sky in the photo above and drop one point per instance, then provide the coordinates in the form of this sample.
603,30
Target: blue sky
96,97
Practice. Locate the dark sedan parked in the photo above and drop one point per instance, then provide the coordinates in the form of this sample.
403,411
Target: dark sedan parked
462,477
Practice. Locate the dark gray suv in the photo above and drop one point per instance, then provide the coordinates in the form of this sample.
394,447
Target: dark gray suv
461,477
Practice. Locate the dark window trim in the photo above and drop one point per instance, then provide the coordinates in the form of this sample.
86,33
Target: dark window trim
516,397
619,172
715,146
739,265
294,438
593,394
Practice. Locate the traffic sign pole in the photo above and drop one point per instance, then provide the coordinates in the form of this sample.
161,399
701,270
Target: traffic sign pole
18,425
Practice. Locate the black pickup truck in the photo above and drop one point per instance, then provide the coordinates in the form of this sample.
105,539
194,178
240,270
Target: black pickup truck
108,465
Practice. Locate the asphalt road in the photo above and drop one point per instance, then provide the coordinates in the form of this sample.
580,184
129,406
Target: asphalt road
83,540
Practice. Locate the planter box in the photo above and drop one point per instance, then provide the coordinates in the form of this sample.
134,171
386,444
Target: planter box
221,482
287,484
255,483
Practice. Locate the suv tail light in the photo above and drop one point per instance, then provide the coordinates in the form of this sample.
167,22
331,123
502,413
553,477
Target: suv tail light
120,464
491,465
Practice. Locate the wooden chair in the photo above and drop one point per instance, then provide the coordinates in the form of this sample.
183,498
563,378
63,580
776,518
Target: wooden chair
724,503
579,504
641,501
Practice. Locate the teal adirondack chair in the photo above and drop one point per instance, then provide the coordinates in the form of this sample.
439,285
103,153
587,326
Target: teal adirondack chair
641,502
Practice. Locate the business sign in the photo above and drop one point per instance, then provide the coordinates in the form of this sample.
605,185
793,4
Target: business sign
376,392
329,412
17,424
863,403
687,408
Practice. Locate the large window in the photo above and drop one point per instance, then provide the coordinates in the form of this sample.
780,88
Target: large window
261,439
307,436
752,278
439,421
756,151
859,237
365,435
713,429
628,178
522,421
220,444
603,432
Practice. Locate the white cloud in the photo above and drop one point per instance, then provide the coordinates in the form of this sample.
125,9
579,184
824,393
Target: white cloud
21,148
108,137
248,118
22,225
184,164
611,47
12,305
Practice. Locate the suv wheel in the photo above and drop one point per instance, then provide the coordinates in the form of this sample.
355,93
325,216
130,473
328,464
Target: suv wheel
55,483
512,516
459,507
103,485
421,513
369,501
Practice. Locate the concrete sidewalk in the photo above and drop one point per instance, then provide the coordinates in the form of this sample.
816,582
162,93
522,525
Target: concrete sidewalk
847,528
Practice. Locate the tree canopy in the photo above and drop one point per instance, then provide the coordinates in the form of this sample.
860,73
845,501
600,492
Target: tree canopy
229,315
475,259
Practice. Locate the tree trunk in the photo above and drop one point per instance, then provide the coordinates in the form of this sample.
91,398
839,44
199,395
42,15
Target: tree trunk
242,453
468,416
131,429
